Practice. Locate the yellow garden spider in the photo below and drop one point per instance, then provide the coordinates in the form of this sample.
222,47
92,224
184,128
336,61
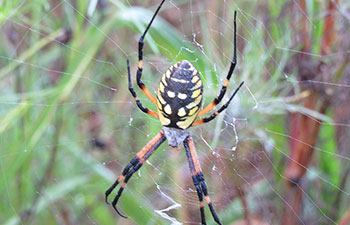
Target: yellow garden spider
178,101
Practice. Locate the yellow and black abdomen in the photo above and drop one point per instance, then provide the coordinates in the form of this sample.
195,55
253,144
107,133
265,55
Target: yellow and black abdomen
179,95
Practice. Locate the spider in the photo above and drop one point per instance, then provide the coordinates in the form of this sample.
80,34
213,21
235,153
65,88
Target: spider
178,102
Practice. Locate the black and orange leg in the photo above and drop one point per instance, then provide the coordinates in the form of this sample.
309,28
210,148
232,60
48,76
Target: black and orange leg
139,68
218,99
198,180
206,196
137,100
222,108
134,165
195,181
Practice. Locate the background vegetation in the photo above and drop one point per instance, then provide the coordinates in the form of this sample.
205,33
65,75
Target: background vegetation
68,124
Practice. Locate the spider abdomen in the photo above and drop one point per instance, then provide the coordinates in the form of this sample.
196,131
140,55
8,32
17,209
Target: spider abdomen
179,95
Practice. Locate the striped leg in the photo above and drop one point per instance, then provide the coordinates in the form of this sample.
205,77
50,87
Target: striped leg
206,196
137,100
139,68
133,166
212,116
198,179
218,99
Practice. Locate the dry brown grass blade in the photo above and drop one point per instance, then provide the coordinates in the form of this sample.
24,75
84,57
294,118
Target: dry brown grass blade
304,128
345,220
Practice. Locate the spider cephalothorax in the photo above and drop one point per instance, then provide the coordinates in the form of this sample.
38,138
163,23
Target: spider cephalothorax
178,102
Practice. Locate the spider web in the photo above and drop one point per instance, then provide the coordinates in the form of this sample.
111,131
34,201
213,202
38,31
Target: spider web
69,125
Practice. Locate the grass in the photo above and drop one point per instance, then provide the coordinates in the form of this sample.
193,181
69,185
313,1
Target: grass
68,124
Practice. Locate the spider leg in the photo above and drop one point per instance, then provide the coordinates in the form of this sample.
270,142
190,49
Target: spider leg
206,196
223,107
195,182
218,99
134,165
139,68
198,179
137,100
